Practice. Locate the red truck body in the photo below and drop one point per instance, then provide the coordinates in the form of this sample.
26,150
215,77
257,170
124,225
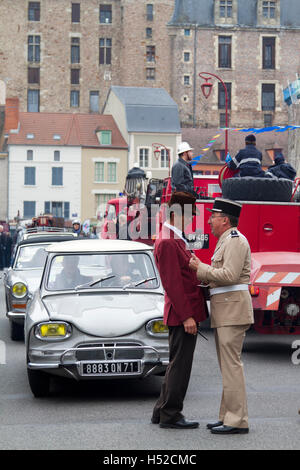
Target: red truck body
273,232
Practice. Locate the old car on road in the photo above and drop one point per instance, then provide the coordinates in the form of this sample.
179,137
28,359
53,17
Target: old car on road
23,278
98,314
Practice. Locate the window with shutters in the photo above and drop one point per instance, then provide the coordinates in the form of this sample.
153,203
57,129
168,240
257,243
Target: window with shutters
28,209
34,11
144,157
99,172
29,175
33,75
225,52
75,50
94,101
105,14
33,48
112,172
57,176
150,53
75,76
222,97
105,46
75,12
268,97
33,101
74,99
149,12
269,53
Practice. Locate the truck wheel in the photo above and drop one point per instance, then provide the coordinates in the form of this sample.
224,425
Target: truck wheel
39,383
16,331
257,189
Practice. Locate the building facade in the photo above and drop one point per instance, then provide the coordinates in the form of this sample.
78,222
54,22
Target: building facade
251,45
68,54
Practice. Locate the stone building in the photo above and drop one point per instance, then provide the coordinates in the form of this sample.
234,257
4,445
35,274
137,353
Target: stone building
63,56
252,45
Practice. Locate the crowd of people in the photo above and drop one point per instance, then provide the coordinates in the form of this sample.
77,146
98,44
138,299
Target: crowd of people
5,248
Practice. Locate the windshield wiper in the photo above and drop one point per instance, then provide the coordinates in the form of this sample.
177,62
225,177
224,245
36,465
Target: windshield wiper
139,282
93,283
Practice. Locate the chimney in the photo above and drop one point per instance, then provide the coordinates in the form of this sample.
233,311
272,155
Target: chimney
11,115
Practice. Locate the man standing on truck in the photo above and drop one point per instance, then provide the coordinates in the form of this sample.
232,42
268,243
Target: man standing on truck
182,178
231,311
248,160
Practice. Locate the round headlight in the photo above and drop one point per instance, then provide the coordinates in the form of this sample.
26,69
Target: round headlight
19,290
292,310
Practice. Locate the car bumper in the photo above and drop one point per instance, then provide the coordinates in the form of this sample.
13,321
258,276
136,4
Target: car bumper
154,362
17,317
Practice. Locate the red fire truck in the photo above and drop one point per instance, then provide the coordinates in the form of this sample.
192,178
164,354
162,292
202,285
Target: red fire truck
273,231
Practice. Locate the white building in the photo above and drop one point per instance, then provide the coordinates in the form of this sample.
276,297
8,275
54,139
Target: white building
44,166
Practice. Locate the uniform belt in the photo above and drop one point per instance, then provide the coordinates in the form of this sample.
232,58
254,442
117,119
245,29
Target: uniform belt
223,290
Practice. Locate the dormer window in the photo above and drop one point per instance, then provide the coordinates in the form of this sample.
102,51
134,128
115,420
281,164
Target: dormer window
225,12
269,9
225,8
104,137
268,12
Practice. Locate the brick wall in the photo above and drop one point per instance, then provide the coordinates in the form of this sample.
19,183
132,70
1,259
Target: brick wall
55,28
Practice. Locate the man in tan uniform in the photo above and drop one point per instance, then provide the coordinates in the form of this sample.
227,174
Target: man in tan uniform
231,311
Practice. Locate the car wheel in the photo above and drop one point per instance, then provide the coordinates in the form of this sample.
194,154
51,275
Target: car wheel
16,331
257,189
39,383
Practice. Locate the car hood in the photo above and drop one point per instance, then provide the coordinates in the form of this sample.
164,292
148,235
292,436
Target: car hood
106,315
31,278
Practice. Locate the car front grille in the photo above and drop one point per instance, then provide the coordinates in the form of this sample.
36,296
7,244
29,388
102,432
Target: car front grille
110,352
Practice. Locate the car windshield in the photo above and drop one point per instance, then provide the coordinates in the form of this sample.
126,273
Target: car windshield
96,271
31,256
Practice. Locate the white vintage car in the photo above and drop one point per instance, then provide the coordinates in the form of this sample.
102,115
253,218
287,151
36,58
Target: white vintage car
98,314
23,277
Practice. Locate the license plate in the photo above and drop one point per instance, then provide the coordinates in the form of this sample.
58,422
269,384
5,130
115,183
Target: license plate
110,368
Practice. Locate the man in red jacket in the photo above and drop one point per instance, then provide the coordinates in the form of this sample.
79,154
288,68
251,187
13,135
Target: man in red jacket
184,308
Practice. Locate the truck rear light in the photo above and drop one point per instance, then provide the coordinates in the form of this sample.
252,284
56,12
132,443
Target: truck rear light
254,291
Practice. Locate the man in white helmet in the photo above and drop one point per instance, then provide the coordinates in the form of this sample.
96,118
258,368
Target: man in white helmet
76,226
182,173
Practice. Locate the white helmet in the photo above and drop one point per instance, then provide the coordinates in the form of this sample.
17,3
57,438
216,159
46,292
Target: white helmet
183,147
76,221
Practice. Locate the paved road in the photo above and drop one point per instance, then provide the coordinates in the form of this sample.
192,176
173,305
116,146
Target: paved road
116,415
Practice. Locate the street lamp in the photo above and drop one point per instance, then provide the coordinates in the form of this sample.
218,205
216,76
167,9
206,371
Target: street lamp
206,89
157,152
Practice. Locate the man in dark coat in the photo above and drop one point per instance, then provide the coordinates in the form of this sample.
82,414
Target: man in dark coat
184,308
248,160
281,169
2,248
182,173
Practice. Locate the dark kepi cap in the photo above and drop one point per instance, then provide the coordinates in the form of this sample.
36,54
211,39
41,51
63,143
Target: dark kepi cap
182,199
227,207
279,159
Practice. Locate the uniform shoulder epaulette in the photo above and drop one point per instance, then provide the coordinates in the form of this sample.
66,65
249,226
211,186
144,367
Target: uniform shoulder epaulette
234,234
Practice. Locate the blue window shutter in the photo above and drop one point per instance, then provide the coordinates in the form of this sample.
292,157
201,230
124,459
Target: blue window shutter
47,207
66,210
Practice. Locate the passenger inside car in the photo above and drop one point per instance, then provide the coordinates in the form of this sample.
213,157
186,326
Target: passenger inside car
70,276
